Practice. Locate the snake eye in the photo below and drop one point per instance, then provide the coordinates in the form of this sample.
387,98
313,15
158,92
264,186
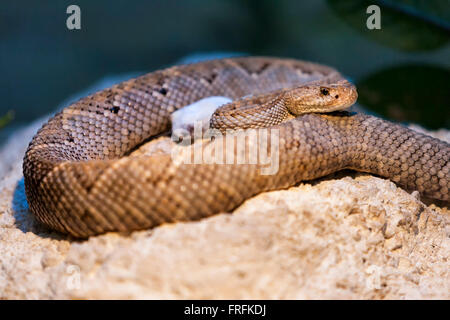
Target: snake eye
324,91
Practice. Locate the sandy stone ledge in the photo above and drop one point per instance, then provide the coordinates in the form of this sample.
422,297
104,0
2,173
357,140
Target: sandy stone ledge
348,236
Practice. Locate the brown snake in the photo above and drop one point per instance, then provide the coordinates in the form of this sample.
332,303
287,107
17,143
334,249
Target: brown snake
80,179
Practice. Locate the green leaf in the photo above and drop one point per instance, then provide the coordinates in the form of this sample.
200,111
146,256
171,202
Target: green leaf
6,119
409,25
412,93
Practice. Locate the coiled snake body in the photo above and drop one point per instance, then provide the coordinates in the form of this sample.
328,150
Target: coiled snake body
80,180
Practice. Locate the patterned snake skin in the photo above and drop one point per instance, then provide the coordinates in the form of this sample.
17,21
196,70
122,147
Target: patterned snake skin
81,180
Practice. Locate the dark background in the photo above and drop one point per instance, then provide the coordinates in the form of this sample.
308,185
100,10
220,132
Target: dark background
401,71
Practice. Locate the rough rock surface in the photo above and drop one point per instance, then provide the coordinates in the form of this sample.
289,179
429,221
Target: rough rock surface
347,236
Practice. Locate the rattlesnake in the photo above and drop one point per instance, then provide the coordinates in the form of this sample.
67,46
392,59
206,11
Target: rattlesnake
80,179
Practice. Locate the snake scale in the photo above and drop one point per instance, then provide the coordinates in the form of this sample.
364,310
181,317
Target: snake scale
81,180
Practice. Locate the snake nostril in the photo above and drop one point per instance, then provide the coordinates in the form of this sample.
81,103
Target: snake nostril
336,96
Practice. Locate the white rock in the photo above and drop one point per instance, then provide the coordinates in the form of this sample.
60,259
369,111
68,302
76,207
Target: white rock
195,117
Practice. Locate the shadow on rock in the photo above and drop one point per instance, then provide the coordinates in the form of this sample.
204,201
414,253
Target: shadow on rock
24,219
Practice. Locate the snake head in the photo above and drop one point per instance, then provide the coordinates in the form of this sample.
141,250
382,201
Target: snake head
319,97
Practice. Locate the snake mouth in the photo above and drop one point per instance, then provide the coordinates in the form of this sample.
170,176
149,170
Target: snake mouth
327,108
